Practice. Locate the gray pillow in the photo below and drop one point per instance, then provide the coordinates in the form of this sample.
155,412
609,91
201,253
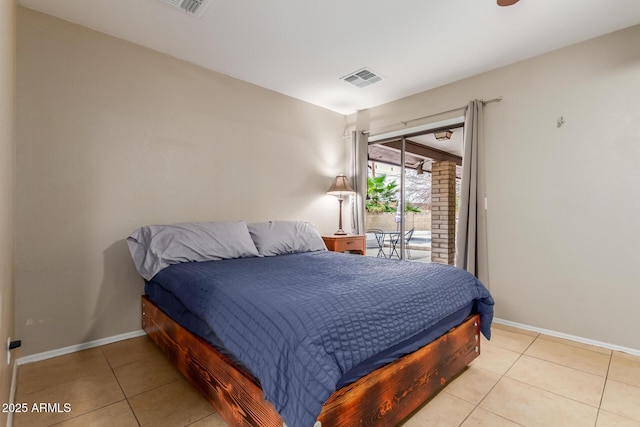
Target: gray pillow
285,237
155,247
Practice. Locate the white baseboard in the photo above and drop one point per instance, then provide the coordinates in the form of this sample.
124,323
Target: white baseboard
614,347
78,347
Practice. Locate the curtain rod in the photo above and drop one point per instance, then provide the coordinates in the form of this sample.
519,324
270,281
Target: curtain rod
367,132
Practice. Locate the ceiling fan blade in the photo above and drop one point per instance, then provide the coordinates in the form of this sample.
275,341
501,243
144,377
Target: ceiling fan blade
507,2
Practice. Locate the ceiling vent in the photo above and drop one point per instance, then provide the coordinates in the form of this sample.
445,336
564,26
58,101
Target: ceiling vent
192,7
362,78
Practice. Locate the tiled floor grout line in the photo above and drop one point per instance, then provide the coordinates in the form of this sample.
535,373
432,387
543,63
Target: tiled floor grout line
606,378
558,364
564,366
126,398
92,374
82,415
494,386
554,393
197,421
133,412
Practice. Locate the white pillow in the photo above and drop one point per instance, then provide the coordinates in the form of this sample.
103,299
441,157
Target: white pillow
285,237
154,247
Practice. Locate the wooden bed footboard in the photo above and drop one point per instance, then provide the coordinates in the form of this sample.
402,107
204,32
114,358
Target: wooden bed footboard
383,398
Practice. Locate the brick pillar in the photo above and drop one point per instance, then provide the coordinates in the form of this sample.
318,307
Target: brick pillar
443,212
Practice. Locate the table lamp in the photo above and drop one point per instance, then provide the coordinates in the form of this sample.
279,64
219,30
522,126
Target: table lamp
340,187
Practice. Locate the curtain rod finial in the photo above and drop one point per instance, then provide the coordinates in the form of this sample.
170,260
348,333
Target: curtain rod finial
498,99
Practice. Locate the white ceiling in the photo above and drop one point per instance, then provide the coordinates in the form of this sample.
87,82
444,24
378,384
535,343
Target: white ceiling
302,48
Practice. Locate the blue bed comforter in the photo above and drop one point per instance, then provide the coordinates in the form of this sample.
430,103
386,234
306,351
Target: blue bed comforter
299,321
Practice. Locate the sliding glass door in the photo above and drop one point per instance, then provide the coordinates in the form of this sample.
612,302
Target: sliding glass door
400,214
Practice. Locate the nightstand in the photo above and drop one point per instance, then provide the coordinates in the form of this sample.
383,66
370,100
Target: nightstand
352,243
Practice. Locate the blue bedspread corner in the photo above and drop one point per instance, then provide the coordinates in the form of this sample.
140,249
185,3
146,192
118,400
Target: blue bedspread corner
485,309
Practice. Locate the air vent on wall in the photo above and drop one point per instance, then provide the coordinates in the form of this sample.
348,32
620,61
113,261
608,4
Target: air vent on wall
192,7
362,78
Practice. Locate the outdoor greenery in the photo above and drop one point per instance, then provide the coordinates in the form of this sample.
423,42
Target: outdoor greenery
382,195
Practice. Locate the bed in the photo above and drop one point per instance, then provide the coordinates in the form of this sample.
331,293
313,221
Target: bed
274,329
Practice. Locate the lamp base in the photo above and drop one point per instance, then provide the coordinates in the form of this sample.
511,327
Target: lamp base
340,231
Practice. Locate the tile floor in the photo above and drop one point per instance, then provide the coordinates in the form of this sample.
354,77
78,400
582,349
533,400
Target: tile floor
521,379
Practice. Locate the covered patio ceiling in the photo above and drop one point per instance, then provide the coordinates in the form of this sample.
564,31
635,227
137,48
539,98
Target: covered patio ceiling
420,151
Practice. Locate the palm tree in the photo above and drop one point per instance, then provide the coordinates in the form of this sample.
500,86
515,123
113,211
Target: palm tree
382,196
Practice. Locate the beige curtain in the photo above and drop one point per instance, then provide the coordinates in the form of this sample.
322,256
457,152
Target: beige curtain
359,156
471,240
359,171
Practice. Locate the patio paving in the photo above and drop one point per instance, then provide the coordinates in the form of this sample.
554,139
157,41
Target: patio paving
419,246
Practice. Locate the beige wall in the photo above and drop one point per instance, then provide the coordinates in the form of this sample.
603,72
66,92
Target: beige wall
112,136
7,189
564,203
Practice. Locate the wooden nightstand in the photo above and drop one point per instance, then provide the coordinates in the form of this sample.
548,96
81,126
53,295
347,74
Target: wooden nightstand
352,243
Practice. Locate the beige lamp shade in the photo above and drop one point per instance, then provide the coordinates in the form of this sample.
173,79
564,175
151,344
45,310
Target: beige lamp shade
340,186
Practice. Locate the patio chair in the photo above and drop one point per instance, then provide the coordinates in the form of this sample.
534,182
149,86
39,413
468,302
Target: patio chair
379,235
407,238
396,241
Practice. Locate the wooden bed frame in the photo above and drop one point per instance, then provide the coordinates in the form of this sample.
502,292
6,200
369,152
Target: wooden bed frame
384,397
